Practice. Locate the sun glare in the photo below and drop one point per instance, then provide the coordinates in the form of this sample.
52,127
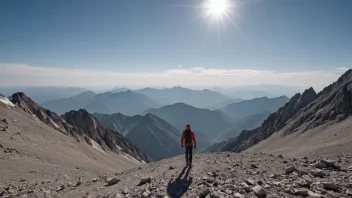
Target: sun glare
217,8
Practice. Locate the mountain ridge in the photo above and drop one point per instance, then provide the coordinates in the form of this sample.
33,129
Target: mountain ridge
153,135
106,138
204,120
304,112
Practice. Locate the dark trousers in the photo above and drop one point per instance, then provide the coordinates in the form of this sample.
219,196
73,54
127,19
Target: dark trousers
189,154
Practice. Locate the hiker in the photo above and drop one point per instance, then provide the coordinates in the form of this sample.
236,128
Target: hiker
189,140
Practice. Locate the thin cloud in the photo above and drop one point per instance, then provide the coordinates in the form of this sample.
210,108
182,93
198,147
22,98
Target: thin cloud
20,74
343,68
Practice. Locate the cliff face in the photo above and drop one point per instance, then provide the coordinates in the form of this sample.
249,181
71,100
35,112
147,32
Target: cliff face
303,112
81,125
106,138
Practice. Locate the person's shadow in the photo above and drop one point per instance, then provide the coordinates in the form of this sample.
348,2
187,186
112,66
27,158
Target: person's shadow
176,188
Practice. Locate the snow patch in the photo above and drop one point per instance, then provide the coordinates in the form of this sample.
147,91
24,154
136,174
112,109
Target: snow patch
36,118
6,101
129,157
119,148
97,146
55,125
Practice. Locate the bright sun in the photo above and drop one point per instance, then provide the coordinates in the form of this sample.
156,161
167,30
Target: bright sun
217,8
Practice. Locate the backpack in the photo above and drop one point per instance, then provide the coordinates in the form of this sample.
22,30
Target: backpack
188,136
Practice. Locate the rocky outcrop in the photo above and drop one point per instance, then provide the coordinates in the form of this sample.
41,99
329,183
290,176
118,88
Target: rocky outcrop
275,122
333,104
303,112
80,125
106,138
22,101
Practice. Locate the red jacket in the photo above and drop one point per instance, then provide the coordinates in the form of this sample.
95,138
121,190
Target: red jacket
188,144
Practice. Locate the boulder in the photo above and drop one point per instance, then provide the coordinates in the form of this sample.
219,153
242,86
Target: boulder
290,170
259,191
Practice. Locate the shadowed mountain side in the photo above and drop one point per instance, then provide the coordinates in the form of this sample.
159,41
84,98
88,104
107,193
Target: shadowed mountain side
208,122
247,123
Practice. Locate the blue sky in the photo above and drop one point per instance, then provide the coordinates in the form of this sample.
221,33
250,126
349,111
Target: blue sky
142,41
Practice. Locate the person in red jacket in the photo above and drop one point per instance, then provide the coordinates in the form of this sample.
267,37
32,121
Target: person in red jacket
188,140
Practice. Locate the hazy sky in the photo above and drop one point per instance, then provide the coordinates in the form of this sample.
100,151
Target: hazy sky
171,42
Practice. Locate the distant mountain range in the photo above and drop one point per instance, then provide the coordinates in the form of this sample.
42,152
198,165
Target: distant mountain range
208,122
42,94
197,98
295,122
126,102
256,91
80,125
246,108
246,123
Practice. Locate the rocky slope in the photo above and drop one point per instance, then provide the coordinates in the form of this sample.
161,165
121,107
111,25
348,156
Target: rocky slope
213,175
32,152
203,120
254,106
154,136
105,137
302,113
80,125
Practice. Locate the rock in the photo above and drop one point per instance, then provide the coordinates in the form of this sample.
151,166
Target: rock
1,146
215,195
95,180
308,179
171,168
238,195
79,182
330,186
254,166
125,191
315,195
300,191
145,180
210,180
146,193
204,193
228,181
60,188
303,183
349,192
218,182
259,191
118,195
290,170
246,187
319,165
274,195
317,173
281,156
234,188
112,181
250,182
329,163
228,191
